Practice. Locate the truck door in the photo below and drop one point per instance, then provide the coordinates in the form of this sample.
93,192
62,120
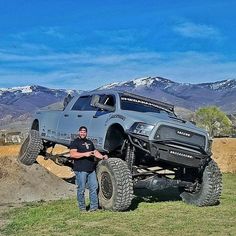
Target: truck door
98,125
78,114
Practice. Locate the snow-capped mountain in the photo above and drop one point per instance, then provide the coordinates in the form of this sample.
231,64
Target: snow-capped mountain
152,82
145,82
190,96
221,85
21,102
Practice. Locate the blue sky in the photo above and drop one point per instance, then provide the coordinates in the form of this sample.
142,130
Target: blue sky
86,44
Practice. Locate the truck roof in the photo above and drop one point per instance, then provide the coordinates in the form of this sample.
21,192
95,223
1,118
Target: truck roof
163,105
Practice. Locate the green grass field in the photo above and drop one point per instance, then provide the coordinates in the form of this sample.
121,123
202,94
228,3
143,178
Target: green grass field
146,217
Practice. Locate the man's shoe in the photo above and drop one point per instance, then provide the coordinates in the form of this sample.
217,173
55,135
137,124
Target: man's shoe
93,209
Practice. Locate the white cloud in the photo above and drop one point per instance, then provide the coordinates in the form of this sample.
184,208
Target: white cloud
91,70
121,36
80,58
55,32
195,68
192,30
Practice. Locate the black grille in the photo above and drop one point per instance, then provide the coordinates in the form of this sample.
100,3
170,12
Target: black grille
171,133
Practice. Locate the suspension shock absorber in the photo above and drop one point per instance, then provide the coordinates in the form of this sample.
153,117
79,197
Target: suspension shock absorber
130,155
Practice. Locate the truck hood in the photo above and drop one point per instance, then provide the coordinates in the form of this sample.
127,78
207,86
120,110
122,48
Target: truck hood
155,118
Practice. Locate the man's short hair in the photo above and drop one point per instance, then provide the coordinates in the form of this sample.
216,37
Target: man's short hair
83,127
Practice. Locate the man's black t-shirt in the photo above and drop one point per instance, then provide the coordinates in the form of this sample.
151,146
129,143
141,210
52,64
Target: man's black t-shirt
85,163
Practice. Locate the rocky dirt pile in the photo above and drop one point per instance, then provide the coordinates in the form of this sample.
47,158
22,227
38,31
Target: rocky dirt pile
21,183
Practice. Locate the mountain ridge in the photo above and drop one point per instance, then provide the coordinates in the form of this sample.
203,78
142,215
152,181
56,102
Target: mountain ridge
19,103
186,95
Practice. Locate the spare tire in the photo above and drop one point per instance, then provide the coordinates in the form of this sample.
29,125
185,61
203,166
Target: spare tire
30,148
115,184
208,190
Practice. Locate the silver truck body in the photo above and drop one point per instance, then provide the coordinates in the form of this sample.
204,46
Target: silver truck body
61,126
147,144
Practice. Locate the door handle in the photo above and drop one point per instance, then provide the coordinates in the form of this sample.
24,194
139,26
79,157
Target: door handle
66,115
79,115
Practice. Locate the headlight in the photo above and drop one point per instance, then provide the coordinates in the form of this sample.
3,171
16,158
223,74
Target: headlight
141,128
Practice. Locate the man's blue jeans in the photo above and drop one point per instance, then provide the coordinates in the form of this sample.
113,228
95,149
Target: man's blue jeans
91,179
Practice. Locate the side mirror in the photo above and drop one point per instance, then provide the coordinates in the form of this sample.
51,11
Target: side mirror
95,103
95,100
193,122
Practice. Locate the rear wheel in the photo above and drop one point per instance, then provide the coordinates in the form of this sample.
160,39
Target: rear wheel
208,188
30,148
115,184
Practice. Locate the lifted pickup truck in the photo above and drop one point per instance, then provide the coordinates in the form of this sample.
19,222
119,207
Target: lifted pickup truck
148,145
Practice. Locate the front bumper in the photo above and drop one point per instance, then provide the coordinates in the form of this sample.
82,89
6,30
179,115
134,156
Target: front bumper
171,151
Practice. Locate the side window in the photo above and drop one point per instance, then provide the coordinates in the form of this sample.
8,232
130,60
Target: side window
108,100
83,104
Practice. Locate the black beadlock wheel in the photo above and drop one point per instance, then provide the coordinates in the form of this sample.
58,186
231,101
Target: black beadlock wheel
30,148
208,191
115,184
106,185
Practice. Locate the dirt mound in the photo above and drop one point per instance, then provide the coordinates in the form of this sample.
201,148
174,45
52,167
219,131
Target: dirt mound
60,171
224,153
63,172
21,183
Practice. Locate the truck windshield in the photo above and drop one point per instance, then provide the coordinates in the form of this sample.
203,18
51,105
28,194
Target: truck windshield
133,104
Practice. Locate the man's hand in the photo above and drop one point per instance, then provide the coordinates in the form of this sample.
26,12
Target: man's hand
88,154
98,155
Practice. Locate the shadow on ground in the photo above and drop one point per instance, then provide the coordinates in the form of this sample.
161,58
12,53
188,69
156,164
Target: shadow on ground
145,195
70,180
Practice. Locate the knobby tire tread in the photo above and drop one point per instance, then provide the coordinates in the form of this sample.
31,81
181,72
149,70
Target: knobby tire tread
210,192
124,184
32,149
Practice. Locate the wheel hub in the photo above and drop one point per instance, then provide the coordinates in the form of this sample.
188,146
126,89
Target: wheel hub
106,185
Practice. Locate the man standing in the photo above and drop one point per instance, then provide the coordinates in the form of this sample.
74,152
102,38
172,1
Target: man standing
83,152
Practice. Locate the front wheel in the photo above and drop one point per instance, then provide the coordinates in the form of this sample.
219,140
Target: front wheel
30,148
208,189
115,184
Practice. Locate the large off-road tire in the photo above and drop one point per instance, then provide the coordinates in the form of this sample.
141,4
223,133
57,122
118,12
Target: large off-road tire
30,148
208,192
115,184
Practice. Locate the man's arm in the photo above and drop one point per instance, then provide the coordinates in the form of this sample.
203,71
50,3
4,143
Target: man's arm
77,155
98,155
